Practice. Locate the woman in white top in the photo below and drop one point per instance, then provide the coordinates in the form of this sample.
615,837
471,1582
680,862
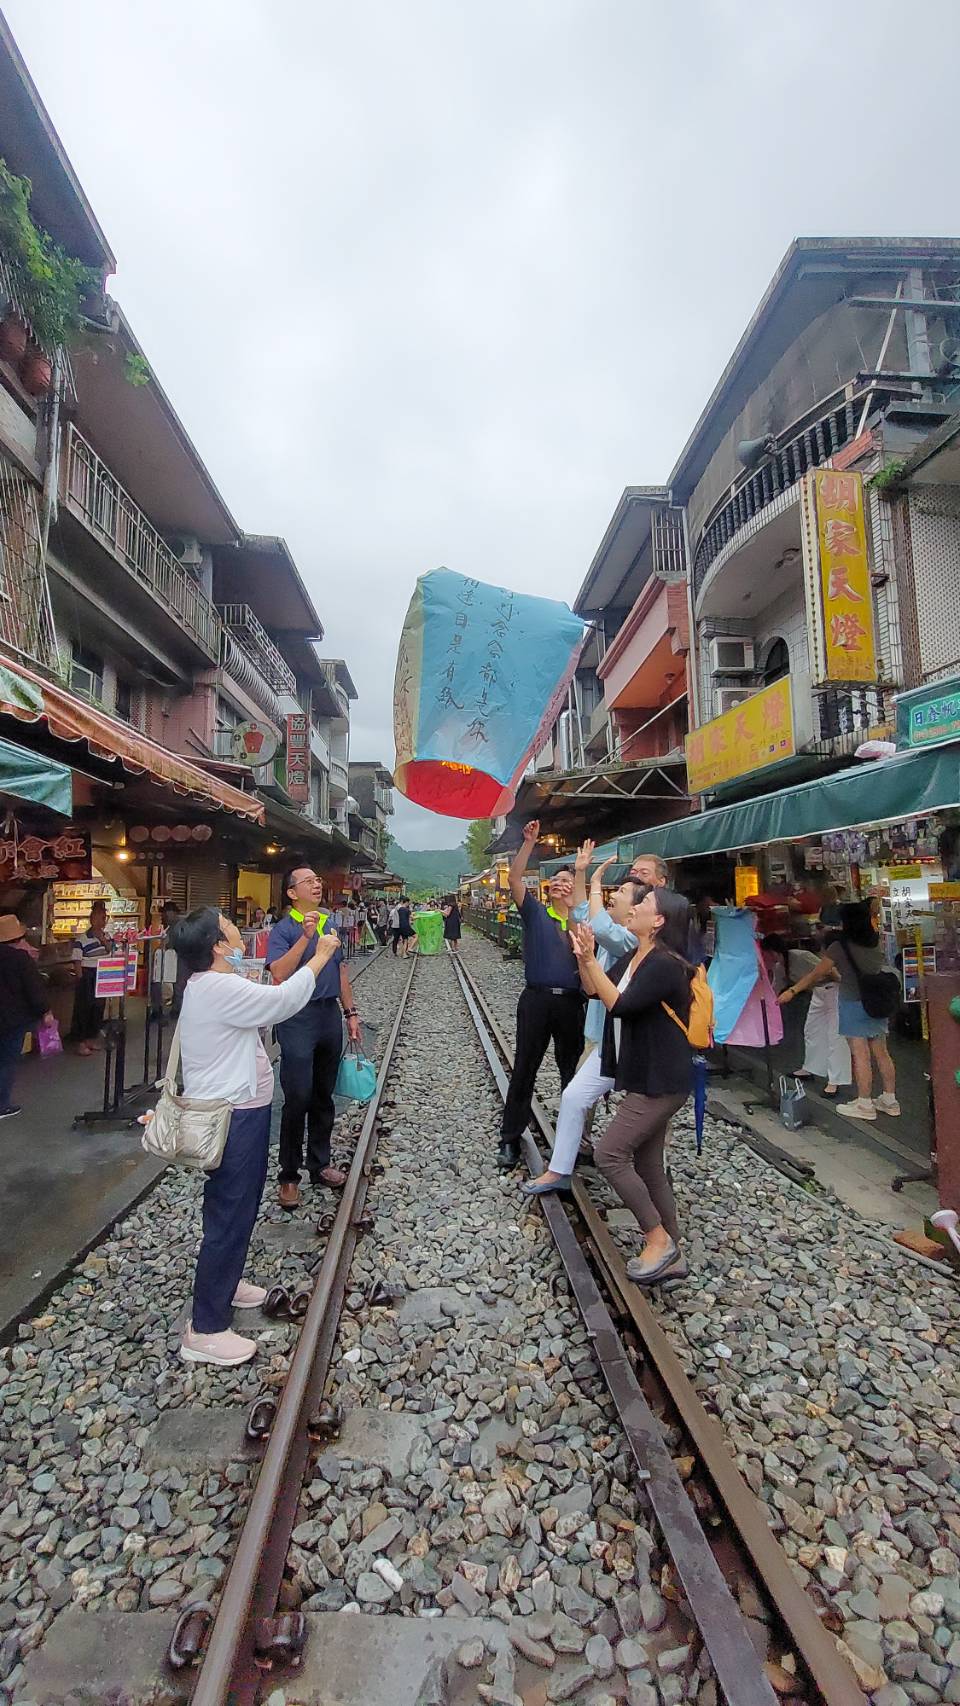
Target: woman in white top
223,1059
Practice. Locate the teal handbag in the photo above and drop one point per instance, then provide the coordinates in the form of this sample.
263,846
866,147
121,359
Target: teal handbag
357,1076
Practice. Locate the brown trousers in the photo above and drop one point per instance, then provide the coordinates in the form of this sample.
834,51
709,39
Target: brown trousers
630,1156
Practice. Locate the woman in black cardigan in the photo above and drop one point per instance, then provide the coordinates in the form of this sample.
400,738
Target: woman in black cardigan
646,1052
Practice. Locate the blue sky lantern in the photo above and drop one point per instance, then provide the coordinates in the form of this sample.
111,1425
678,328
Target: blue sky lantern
481,675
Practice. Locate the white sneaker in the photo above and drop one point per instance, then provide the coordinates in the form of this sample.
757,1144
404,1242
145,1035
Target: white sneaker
248,1296
858,1110
887,1103
227,1349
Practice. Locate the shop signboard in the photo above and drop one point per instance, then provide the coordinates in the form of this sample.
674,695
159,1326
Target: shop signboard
933,718
253,744
837,577
64,855
751,736
298,757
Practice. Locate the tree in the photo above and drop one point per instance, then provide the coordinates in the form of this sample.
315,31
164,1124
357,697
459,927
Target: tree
476,841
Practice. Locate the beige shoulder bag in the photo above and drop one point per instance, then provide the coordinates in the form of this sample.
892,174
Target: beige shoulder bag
184,1129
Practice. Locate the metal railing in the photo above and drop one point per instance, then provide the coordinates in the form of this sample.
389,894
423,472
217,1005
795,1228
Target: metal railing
251,636
94,494
508,935
26,617
808,450
339,773
11,297
850,712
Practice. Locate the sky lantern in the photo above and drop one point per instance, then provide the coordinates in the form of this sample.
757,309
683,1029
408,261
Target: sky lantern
481,675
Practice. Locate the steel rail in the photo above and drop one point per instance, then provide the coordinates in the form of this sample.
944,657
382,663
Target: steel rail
828,1670
229,1673
735,1660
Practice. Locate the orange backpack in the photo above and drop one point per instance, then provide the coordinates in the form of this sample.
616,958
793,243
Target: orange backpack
698,1029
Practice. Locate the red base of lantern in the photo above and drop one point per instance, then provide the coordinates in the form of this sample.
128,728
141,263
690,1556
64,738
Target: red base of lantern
453,790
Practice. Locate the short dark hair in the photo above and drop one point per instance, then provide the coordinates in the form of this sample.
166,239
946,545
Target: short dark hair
170,906
195,936
564,871
289,877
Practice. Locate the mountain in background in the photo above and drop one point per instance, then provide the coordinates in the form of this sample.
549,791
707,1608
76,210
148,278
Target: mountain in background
433,870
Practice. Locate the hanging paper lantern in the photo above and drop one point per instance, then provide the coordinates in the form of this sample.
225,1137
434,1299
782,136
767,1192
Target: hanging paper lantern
481,675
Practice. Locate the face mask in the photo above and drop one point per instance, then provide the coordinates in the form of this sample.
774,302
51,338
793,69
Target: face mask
235,959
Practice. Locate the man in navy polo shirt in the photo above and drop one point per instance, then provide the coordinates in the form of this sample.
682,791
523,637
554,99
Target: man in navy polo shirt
552,1006
311,1042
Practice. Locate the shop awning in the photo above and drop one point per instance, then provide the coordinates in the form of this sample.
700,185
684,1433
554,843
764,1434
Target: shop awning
30,776
31,699
876,791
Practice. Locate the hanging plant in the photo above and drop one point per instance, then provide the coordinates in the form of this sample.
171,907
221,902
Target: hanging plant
887,478
136,370
51,285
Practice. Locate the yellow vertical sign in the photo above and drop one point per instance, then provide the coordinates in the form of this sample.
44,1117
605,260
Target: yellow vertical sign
847,600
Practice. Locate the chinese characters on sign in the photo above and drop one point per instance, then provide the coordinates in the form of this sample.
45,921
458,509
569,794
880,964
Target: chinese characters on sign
65,855
936,719
757,733
844,577
298,757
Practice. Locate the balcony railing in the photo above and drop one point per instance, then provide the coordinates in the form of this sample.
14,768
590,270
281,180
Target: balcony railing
26,617
810,449
11,297
250,635
339,773
100,501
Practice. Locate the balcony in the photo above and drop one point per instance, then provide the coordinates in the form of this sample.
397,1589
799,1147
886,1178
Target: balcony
776,475
11,297
319,747
339,778
846,717
245,629
99,502
642,664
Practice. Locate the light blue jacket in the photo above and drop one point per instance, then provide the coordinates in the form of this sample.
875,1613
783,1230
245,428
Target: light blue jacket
613,941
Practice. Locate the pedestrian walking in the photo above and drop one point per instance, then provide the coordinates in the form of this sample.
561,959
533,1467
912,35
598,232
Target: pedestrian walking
88,949
394,926
24,999
551,1007
645,1051
223,1060
405,925
855,963
311,1041
452,927
613,938
383,922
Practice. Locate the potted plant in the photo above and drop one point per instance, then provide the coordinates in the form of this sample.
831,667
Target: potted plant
13,336
51,285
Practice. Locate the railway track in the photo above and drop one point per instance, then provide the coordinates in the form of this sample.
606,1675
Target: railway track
710,1522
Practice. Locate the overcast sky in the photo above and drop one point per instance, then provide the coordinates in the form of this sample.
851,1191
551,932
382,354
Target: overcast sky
430,283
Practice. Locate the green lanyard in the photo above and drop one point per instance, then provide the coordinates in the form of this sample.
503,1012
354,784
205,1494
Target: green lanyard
321,919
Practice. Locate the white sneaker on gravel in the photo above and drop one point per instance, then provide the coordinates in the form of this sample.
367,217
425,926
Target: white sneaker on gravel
227,1349
858,1110
886,1104
248,1296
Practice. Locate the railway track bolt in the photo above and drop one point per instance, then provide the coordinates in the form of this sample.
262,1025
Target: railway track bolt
260,1418
364,1224
383,1296
276,1304
280,1640
325,1423
189,1635
298,1305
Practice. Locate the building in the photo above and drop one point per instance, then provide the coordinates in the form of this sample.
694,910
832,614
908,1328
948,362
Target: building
371,788
151,650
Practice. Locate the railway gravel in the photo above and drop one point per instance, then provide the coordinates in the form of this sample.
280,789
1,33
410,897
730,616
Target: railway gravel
833,1361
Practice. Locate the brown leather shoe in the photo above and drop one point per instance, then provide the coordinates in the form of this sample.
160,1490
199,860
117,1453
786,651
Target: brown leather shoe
289,1193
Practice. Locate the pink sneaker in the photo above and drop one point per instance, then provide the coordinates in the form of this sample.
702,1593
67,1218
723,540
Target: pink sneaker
225,1349
248,1296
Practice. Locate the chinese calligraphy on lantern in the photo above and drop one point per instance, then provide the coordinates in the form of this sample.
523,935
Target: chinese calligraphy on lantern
757,733
844,577
462,687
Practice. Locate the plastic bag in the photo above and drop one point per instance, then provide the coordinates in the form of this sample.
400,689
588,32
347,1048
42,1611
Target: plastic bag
794,1106
357,1076
48,1037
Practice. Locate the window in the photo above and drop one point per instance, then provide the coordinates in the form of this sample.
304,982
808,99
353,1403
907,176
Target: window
777,662
86,673
123,703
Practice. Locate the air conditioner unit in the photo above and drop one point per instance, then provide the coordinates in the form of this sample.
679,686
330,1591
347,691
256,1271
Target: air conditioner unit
727,697
187,550
731,656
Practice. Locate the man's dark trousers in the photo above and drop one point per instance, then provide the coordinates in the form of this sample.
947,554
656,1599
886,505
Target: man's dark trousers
542,1016
311,1044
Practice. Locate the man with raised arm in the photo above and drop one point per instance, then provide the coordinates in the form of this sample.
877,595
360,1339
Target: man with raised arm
551,1007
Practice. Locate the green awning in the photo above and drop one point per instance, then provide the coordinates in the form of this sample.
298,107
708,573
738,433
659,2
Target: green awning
29,776
876,791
